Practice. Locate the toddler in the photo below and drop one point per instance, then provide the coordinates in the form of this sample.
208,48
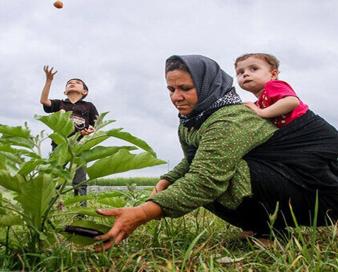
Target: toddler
258,73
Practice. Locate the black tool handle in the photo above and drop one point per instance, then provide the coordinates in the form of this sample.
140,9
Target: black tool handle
83,231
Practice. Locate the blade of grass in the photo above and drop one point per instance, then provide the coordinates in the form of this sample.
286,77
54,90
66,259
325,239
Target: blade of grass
188,253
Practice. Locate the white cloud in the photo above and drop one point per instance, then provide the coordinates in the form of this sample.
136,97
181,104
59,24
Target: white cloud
119,49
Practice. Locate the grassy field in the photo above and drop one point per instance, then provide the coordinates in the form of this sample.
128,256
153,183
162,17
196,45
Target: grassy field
196,242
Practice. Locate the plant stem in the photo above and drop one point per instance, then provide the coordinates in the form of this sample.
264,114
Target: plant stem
59,192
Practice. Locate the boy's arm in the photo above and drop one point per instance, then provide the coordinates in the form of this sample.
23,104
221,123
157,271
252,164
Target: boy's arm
93,114
282,106
44,99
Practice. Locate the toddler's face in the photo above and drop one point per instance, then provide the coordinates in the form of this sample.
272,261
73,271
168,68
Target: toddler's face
252,74
75,86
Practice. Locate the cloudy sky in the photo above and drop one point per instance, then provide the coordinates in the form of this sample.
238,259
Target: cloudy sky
119,49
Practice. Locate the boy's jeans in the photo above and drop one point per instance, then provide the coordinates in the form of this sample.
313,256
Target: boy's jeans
80,176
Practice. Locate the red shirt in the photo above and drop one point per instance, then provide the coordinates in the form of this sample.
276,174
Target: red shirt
275,90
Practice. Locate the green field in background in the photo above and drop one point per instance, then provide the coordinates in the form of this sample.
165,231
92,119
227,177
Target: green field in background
120,181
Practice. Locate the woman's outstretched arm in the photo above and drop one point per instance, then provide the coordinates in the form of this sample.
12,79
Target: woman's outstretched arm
126,221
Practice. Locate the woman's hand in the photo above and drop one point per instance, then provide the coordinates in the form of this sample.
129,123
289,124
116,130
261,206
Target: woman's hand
160,186
49,72
126,221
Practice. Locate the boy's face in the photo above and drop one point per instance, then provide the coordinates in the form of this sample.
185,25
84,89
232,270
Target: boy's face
252,74
76,86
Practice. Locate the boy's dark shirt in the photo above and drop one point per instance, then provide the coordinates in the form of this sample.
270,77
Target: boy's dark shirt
84,113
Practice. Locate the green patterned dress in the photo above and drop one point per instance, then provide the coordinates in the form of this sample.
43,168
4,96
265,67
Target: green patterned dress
218,171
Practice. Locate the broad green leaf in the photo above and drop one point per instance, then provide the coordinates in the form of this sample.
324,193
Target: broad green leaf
92,225
99,152
97,197
8,197
120,162
15,131
10,220
83,211
9,149
8,165
18,141
59,122
100,123
114,202
29,166
12,157
46,167
83,240
74,139
78,239
35,197
118,133
60,154
42,236
90,141
110,194
75,199
2,162
13,183
58,138
2,209
27,153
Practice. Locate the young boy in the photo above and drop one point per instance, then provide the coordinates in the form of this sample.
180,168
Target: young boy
258,74
84,115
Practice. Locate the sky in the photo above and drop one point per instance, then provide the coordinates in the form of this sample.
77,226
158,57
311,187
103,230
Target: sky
119,48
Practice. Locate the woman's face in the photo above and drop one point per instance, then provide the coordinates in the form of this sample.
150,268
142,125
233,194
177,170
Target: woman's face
182,91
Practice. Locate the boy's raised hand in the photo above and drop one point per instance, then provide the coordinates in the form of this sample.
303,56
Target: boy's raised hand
49,72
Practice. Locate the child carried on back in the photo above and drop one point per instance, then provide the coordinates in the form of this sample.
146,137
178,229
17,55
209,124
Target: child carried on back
258,73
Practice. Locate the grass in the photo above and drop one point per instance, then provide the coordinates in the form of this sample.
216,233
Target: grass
195,242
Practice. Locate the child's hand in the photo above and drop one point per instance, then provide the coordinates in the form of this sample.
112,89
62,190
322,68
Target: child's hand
253,107
49,72
87,131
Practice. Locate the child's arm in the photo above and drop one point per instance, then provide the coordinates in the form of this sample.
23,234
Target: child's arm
282,106
45,91
93,114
